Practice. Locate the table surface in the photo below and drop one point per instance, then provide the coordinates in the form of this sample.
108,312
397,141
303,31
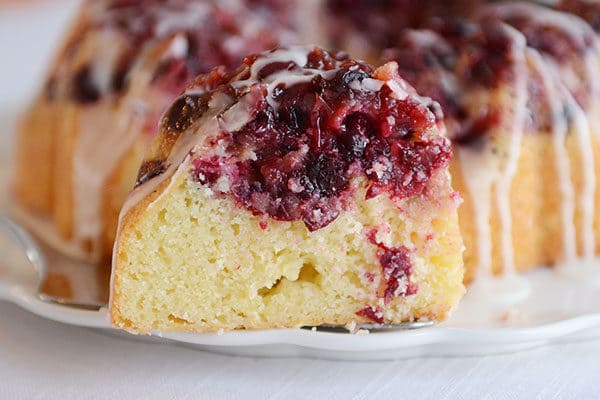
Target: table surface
41,359
46,360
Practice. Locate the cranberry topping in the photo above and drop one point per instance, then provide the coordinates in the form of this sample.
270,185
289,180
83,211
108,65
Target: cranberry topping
374,314
208,171
546,30
321,134
475,129
380,23
370,276
172,76
588,10
453,59
217,38
83,88
561,37
490,62
397,268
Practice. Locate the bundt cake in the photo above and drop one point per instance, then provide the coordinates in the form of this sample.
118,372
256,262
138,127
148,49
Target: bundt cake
303,188
518,87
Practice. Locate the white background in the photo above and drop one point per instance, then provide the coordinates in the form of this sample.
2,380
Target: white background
41,359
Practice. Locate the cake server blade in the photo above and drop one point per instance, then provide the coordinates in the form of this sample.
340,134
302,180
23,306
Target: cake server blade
61,279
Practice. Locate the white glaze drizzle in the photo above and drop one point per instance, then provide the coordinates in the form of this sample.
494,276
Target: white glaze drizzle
90,159
478,169
95,147
484,171
105,59
590,126
286,77
105,134
581,129
561,157
171,20
516,125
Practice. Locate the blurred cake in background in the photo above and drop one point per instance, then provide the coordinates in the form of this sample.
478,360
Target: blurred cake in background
120,66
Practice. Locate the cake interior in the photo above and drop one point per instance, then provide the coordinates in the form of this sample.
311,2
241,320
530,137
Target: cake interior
192,261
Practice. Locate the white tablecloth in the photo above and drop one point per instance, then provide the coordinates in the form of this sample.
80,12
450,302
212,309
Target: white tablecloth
41,359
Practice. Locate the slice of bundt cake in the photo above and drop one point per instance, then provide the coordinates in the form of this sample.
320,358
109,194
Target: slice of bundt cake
304,188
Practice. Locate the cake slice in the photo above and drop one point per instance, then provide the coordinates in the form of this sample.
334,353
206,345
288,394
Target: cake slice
304,188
